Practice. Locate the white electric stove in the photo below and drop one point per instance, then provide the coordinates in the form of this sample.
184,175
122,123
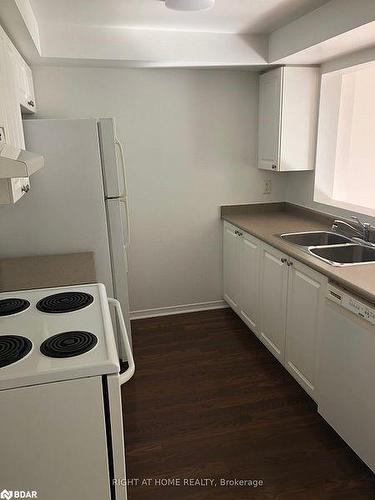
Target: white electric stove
61,417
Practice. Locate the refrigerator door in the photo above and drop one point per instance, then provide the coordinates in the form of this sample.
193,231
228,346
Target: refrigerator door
65,212
113,172
117,226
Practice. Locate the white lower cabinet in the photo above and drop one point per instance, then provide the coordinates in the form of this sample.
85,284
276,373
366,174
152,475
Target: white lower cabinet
279,298
241,274
249,303
273,299
232,266
306,293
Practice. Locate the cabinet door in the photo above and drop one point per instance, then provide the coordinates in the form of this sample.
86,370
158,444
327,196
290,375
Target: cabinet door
25,86
30,103
273,298
270,100
14,132
232,266
306,291
3,94
250,256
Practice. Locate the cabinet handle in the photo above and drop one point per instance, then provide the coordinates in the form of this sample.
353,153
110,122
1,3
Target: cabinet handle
283,260
31,103
25,188
289,263
274,167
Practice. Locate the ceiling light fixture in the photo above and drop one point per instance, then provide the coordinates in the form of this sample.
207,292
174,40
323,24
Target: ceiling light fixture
189,5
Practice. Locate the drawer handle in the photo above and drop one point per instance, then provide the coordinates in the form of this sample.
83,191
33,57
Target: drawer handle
31,103
25,188
283,260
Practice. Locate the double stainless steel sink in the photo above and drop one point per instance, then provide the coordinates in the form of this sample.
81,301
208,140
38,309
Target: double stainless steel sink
333,248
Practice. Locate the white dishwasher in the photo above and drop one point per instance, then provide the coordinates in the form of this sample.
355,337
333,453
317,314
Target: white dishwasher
346,373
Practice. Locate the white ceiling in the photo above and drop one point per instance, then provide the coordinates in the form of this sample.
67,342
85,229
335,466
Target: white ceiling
228,16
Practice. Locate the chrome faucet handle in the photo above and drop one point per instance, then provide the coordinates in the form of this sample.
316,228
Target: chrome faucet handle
358,221
366,226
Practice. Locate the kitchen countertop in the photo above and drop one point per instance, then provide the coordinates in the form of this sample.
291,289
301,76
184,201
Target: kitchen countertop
268,221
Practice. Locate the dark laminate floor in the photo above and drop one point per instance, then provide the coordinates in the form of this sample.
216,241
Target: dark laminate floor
209,401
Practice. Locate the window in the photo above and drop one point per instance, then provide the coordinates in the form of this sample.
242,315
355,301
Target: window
345,162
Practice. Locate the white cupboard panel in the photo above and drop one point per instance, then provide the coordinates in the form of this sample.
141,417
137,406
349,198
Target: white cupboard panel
306,292
232,266
250,259
270,100
273,296
288,112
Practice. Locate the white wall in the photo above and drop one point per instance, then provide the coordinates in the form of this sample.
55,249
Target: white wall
190,139
300,185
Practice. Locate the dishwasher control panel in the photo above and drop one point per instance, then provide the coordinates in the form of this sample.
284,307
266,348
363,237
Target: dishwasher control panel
351,303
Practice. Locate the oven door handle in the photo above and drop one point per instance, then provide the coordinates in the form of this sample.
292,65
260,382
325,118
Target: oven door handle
127,375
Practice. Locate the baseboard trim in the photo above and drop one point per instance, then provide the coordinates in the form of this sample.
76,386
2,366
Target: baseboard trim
186,308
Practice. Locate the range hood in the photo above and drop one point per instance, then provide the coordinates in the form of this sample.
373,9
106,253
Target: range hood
16,162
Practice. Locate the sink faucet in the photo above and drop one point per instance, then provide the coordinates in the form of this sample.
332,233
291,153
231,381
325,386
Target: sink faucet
363,232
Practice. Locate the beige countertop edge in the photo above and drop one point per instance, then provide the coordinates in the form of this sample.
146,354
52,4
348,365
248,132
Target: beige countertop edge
360,280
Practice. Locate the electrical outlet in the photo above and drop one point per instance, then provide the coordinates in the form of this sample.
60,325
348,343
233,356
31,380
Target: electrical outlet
267,186
2,135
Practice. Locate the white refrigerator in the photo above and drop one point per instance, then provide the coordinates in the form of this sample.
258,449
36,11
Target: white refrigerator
78,202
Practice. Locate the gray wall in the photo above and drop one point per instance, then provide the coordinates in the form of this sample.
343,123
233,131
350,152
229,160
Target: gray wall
190,138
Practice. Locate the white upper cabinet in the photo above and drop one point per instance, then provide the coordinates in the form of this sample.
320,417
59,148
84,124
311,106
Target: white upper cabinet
270,93
16,97
17,91
11,102
25,85
288,112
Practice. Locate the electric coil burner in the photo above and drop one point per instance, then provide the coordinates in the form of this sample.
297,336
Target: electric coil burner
68,344
64,302
13,306
13,348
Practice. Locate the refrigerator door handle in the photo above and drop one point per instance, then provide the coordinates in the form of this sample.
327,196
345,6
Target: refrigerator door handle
127,238
122,159
127,375
124,197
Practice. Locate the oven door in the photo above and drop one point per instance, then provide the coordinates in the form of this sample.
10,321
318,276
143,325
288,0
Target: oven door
53,440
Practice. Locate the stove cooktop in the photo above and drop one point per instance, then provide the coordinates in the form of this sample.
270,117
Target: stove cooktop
49,335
